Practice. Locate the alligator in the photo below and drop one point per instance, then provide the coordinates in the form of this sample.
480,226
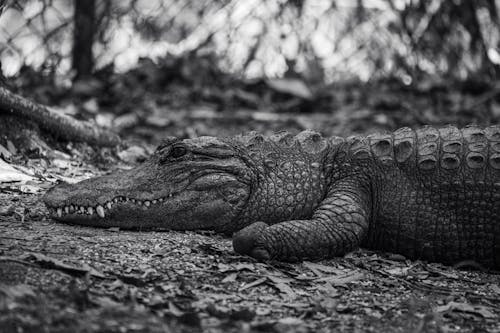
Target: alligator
429,193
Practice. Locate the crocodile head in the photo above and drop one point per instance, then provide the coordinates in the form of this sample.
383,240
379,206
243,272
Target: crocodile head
200,183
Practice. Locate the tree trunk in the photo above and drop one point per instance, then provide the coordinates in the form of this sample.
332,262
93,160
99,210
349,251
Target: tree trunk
84,31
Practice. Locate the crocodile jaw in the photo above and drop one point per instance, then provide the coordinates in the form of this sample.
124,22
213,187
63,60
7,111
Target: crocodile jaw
209,202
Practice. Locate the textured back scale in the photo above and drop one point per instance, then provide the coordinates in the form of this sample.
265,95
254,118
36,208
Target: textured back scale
437,193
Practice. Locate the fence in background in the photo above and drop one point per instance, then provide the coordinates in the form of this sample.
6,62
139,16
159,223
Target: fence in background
322,40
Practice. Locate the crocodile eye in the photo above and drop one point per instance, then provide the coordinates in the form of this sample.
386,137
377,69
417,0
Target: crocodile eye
178,151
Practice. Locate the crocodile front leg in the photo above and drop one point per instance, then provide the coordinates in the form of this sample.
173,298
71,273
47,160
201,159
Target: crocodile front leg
337,226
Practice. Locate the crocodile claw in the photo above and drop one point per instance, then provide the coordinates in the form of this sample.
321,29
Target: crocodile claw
246,241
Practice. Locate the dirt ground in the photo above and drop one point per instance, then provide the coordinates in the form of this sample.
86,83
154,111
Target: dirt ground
63,278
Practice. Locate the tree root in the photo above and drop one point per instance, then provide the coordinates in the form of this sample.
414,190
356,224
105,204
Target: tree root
59,125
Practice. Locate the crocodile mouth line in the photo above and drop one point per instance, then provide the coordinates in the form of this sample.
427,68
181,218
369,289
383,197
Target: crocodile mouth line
102,210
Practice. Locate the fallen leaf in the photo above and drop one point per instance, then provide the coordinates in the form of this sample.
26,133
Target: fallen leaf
61,164
53,263
318,268
327,289
69,180
230,277
313,268
253,284
105,302
174,310
398,271
480,310
10,174
243,266
224,268
57,154
30,189
283,286
238,267
296,305
341,280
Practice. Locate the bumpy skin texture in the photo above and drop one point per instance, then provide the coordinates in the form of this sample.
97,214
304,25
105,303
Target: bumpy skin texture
431,193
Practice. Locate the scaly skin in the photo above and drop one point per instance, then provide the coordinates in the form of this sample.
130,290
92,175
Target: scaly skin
432,194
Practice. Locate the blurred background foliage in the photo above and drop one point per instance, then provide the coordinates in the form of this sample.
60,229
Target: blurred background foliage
323,41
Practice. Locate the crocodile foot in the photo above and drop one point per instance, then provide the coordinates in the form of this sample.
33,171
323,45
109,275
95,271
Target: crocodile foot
248,241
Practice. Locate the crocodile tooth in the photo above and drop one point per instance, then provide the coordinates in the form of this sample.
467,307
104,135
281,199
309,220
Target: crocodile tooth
108,205
115,200
170,195
66,209
139,202
154,201
71,209
82,209
147,203
59,212
127,199
100,211
133,200
90,210
160,200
